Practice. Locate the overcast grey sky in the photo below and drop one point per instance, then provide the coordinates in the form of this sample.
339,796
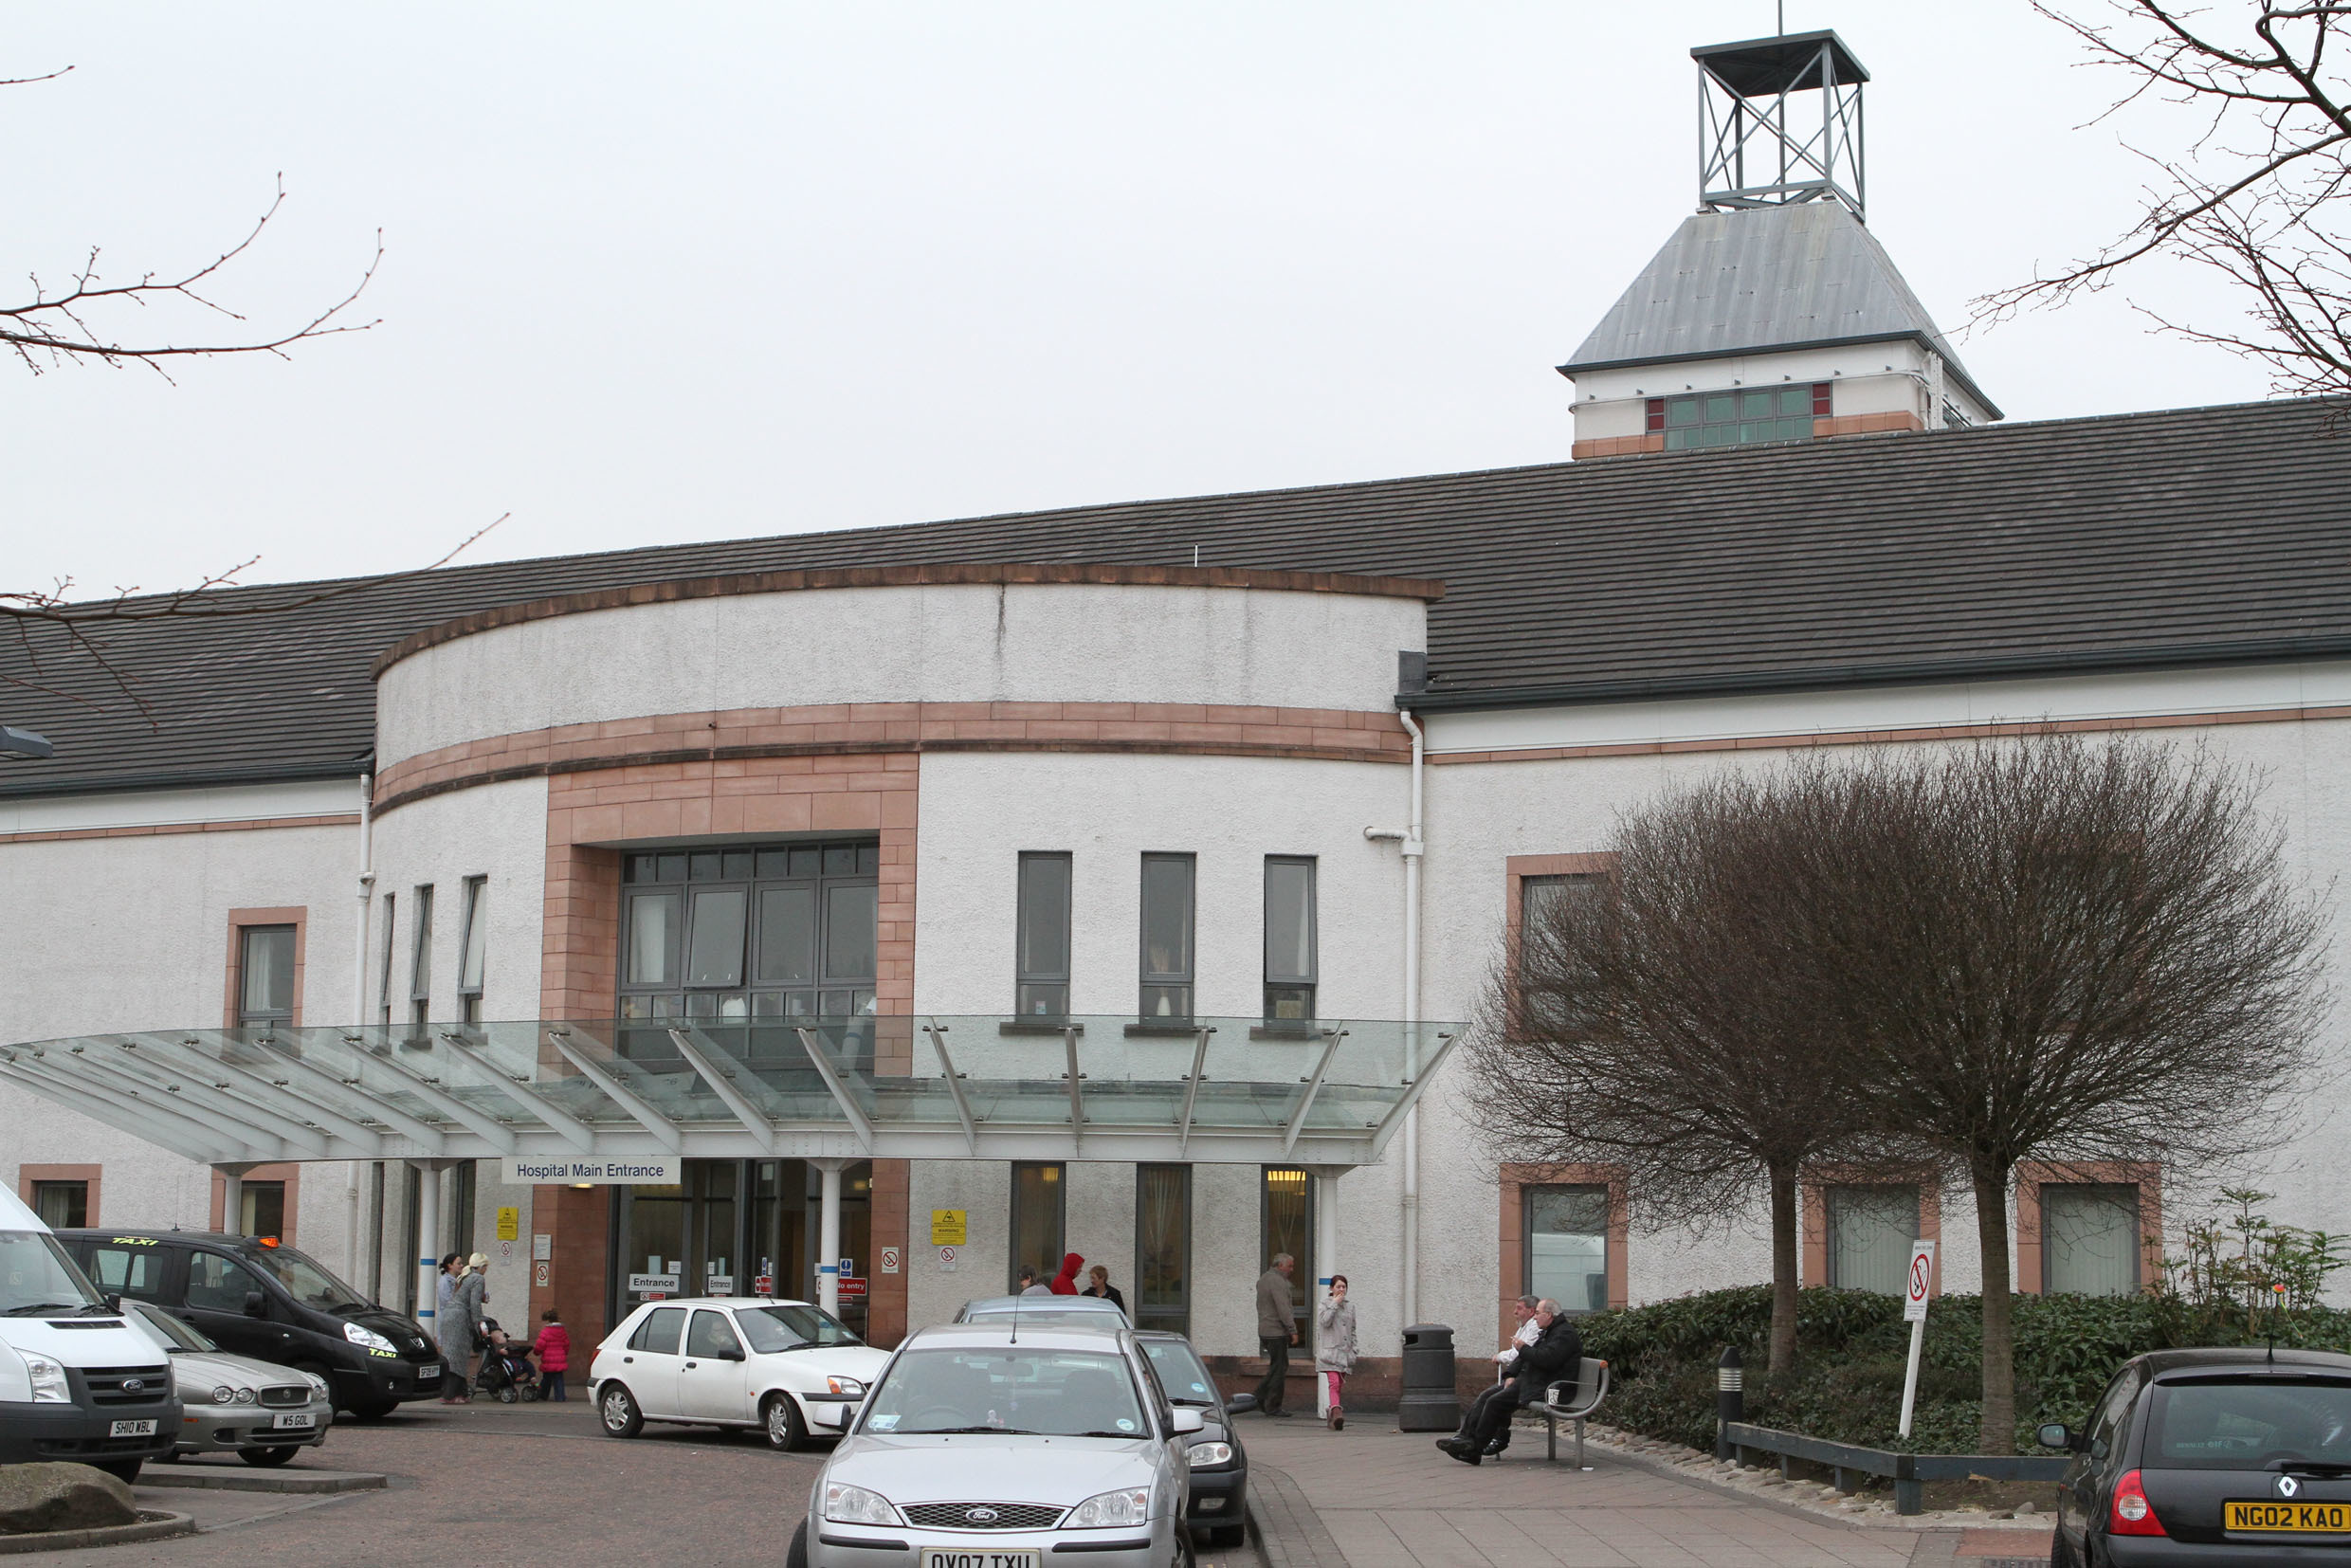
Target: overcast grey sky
660,273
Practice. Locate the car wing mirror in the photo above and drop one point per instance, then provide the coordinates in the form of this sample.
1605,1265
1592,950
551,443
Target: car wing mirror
1188,1421
256,1304
1241,1404
2054,1435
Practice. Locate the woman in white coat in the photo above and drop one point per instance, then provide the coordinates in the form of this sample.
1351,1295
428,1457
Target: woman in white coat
1334,1346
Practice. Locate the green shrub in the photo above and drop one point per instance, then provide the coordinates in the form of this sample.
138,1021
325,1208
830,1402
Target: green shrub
1851,1348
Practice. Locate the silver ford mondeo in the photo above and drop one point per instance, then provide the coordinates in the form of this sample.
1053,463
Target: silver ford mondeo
988,1446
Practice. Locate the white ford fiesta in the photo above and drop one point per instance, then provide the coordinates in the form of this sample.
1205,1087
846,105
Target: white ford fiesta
984,1446
783,1367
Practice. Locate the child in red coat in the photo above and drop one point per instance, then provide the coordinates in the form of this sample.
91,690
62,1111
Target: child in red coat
554,1349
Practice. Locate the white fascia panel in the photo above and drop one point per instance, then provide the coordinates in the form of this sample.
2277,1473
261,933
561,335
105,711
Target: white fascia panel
167,807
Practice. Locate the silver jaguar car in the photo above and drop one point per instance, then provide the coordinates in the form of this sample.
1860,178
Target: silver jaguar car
985,1447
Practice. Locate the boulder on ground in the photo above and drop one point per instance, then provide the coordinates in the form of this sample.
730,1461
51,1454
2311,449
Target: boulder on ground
62,1496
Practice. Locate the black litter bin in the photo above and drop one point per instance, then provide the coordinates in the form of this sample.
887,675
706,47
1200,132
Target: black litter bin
1426,1401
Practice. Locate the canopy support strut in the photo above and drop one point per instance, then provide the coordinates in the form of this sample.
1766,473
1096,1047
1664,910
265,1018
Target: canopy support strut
938,1031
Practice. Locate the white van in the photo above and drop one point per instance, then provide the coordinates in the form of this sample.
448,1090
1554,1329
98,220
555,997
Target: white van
77,1383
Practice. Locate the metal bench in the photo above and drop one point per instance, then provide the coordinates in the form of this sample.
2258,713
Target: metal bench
1575,1401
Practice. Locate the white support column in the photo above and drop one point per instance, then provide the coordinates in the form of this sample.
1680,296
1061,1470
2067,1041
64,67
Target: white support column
429,1249
828,1234
1325,1263
232,1199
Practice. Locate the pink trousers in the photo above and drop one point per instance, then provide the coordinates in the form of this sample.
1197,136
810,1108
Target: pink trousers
1331,1380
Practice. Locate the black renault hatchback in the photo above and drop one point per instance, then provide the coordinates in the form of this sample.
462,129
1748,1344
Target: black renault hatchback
2210,1456
273,1304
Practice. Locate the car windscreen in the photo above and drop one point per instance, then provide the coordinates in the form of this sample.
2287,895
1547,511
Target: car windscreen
305,1279
37,1276
2249,1425
1048,1393
167,1330
780,1327
1181,1372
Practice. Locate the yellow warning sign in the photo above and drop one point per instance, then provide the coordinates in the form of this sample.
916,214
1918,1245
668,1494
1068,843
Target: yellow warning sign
509,1224
947,1228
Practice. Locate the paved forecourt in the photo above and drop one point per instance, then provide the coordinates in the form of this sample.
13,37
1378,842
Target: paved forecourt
1372,1497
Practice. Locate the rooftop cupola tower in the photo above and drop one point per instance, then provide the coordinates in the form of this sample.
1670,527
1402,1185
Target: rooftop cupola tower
1773,314
1779,121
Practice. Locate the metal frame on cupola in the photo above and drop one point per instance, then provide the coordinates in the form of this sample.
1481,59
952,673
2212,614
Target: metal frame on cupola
1761,142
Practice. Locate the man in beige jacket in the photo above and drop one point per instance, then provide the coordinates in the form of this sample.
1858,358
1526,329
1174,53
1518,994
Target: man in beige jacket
1277,1330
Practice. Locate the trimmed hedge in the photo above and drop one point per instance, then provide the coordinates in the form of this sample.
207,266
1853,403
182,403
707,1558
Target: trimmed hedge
1851,1348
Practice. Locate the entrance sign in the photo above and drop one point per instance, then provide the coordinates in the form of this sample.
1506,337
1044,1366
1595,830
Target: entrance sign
947,1228
529,1171
1916,1285
640,1284
509,1224
889,1260
719,1285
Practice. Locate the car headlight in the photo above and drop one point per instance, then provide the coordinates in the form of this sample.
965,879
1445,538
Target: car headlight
856,1505
48,1380
845,1388
224,1395
1201,1456
317,1384
245,1396
1107,1509
366,1338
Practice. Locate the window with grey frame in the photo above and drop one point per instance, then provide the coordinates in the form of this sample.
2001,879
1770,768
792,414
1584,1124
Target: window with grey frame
1041,937
420,960
2090,1240
776,932
1162,1283
1167,956
1870,1232
471,948
1566,1237
1289,940
265,975
383,988
1040,1215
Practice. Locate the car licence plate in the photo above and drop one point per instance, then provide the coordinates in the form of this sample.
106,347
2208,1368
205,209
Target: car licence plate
957,1557
428,1375
288,1421
133,1429
2288,1518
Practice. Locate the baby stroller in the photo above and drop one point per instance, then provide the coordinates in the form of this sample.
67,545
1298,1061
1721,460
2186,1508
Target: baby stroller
506,1373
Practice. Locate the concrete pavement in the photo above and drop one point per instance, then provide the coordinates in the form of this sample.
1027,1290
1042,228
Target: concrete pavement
1372,1497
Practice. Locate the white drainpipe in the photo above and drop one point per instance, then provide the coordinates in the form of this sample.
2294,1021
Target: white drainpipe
1409,840
359,995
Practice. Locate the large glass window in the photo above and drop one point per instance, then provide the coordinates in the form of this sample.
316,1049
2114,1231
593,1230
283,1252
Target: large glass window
1162,1247
265,975
1290,938
780,931
262,1209
471,948
134,1272
1739,416
1038,1193
1041,962
420,962
217,1285
1285,1224
62,1205
1566,1231
1167,938
1870,1229
2090,1238
383,986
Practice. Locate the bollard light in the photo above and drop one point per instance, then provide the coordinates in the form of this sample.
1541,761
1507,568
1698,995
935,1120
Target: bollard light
1730,1400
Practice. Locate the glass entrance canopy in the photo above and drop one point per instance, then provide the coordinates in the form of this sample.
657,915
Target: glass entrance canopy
1216,1090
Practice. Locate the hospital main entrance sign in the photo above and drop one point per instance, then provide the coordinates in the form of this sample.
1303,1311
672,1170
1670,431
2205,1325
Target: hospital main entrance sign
530,1171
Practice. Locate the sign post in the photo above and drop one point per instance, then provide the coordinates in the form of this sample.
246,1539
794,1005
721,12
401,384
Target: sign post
1914,1312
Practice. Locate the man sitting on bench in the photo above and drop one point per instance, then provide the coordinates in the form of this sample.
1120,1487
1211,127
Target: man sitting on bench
1555,1355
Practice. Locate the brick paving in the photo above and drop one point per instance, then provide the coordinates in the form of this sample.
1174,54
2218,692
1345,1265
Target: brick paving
1372,1497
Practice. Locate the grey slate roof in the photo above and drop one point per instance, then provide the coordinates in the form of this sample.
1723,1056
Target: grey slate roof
2177,538
1801,275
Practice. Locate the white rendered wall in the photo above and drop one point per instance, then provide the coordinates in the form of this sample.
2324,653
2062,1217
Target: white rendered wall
1058,643
498,831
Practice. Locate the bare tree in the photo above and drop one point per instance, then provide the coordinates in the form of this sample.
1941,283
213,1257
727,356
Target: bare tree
1646,1021
2049,949
2259,194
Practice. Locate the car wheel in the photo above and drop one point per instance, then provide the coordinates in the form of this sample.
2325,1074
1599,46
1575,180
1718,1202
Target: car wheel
268,1458
124,1471
779,1417
1185,1556
617,1408
2059,1554
796,1557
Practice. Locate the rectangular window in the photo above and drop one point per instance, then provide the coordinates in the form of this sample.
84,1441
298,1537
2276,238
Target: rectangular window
265,975
459,1190
774,932
420,963
1289,940
1566,1231
62,1205
1285,1224
1167,938
2090,1238
1654,413
1041,937
1164,1247
1740,417
133,1271
1038,1212
263,1209
470,950
1870,1229
383,989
